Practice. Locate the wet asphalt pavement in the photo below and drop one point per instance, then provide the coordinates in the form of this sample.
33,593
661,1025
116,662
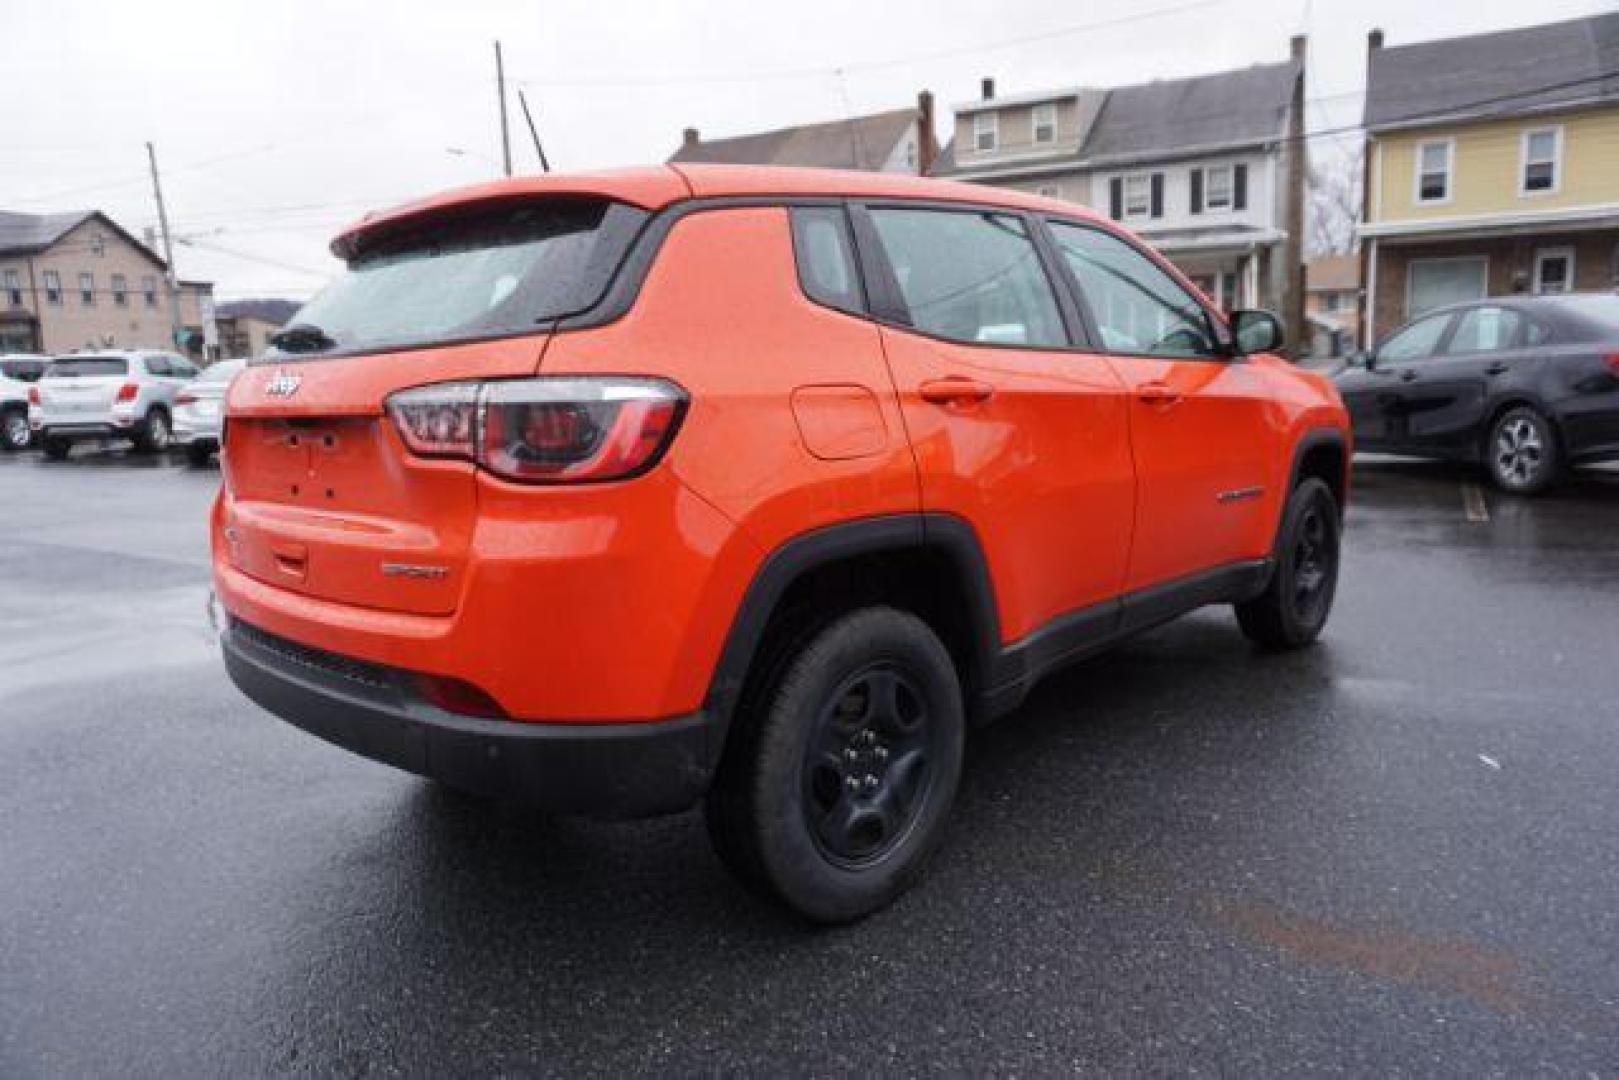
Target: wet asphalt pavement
1396,852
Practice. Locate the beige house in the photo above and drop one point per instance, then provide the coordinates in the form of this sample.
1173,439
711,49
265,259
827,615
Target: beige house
1492,168
245,326
78,280
1332,303
1207,169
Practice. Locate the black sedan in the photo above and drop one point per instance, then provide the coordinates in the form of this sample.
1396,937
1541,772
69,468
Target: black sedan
1527,385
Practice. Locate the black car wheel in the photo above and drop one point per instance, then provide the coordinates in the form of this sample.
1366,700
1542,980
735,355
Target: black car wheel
835,795
154,435
57,448
1522,453
1293,609
198,453
14,433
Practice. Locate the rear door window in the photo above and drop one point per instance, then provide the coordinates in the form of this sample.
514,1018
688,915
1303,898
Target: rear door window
1485,330
77,366
970,276
488,274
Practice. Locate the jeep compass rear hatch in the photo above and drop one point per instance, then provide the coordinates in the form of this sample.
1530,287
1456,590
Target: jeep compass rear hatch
326,496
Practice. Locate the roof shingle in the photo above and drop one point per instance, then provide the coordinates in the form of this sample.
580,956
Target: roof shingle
862,142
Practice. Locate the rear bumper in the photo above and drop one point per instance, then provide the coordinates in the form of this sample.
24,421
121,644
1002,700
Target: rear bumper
614,770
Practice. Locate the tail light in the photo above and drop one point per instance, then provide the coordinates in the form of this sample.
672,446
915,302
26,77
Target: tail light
1612,360
128,392
185,399
547,430
33,395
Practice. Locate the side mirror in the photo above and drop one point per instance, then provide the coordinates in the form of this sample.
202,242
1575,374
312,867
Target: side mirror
1255,332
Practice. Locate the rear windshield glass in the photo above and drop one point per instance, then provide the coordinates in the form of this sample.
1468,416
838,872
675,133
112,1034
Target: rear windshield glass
74,366
1601,312
495,274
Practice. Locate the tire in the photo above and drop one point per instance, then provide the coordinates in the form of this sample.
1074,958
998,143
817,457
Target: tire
57,448
834,793
1293,609
1521,453
198,454
154,434
14,433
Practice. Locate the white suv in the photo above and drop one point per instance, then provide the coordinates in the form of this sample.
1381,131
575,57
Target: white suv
18,372
126,394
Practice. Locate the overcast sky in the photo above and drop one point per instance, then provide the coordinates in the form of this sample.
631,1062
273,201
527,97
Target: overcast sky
278,122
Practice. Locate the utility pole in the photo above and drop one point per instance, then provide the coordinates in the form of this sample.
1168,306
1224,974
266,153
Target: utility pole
522,99
168,250
505,131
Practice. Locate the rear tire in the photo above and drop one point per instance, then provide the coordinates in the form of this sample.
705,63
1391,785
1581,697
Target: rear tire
1293,609
198,454
153,435
57,448
14,433
1522,454
835,794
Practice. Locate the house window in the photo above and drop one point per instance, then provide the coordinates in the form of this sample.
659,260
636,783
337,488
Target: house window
87,289
1331,302
1050,191
98,244
1137,195
1433,283
149,290
986,132
1433,170
1542,153
1044,119
120,290
53,287
14,288
1554,270
1217,187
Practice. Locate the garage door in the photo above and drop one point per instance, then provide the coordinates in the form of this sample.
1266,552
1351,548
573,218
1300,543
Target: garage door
1433,283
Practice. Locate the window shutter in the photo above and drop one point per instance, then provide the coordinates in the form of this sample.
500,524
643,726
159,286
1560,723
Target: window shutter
1197,191
1239,188
1116,198
1157,194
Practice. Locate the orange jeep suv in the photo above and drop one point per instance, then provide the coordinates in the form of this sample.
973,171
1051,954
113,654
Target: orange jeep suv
755,487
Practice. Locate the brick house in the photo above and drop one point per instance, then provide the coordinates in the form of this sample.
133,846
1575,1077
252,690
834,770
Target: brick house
78,280
1492,168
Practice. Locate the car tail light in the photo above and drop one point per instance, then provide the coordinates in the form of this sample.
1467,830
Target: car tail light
1612,360
127,392
33,395
185,399
544,430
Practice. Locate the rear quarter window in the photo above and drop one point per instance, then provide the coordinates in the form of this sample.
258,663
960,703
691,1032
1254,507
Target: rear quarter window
825,257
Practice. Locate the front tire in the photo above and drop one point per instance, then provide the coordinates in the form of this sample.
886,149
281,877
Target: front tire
1293,609
835,795
14,433
1522,453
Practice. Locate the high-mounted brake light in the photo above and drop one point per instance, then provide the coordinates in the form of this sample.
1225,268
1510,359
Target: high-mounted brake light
128,392
547,430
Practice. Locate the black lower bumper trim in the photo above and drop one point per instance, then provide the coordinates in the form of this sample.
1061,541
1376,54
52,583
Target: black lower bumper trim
600,770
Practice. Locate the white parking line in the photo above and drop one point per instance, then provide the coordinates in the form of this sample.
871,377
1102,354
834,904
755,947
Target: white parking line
1473,502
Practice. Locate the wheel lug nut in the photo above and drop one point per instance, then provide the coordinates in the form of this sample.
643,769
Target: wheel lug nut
881,753
871,782
852,754
853,783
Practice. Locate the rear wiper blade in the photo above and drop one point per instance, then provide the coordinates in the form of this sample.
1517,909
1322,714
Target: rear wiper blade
302,337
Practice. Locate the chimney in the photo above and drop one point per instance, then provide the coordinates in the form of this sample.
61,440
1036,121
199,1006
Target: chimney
1298,46
927,145
1374,40
690,139
987,88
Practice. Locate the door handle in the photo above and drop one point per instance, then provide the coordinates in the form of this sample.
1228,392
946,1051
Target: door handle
1496,368
955,391
1158,393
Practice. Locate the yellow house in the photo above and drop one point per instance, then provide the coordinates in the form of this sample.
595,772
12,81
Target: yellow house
1492,167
